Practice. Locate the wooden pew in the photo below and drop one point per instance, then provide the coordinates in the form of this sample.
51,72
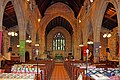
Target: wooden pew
71,67
47,67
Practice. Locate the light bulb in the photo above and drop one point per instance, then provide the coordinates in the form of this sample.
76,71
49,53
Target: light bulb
100,46
105,35
109,35
18,45
9,33
91,0
16,34
12,33
81,45
79,21
38,20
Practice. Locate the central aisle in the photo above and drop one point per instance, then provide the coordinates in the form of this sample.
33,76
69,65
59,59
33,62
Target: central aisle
59,72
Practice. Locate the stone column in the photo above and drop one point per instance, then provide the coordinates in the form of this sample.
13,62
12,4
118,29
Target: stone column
0,40
76,46
5,45
96,52
0,44
119,52
33,54
42,42
96,45
22,41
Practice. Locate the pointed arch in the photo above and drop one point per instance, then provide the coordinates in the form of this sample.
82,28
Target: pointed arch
59,41
101,12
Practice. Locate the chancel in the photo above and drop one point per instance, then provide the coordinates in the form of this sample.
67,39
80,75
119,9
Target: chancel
59,40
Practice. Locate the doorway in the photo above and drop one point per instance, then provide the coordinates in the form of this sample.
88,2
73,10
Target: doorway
27,56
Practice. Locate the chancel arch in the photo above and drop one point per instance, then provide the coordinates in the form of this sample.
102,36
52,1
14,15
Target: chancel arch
51,14
59,25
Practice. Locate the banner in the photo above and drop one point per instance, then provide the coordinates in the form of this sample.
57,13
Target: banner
22,47
96,49
84,51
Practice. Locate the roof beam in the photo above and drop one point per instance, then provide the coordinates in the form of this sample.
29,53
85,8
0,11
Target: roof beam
111,19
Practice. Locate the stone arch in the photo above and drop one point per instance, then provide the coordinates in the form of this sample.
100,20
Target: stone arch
3,4
31,23
62,11
91,31
66,13
85,31
101,12
17,8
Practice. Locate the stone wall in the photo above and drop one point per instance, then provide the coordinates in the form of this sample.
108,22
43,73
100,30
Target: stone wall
67,42
112,43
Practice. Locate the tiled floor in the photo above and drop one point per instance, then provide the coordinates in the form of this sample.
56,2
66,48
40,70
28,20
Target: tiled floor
59,73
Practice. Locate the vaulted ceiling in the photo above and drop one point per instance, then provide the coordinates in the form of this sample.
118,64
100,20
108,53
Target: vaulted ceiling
75,5
9,16
59,21
109,19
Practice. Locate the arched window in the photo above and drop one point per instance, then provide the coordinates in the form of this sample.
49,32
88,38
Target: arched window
58,42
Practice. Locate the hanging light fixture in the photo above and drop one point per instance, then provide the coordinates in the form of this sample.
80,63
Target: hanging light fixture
37,44
12,34
80,21
100,46
108,35
39,20
81,45
91,0
89,41
18,45
28,40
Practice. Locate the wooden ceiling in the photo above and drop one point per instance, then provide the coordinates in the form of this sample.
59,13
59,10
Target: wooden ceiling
59,21
75,5
109,19
9,16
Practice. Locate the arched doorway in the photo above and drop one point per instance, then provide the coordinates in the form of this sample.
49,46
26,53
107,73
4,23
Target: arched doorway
27,56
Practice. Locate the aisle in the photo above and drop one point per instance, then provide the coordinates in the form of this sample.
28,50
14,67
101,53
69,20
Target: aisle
59,72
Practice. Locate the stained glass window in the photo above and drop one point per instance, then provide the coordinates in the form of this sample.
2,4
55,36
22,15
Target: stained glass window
58,42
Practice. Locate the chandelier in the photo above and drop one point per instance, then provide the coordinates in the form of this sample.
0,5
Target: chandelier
28,40
89,41
12,34
37,44
108,35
